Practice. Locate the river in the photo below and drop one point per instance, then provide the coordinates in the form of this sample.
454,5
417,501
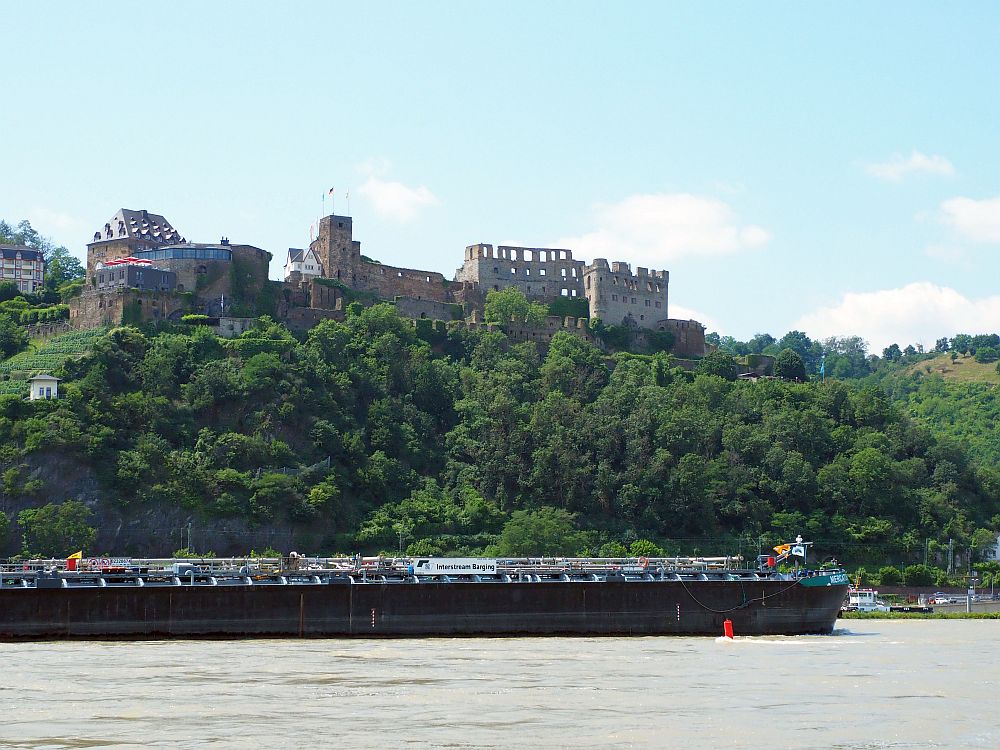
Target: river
873,684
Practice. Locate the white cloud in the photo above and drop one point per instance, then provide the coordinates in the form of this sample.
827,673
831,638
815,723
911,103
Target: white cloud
921,312
900,166
390,199
653,230
978,221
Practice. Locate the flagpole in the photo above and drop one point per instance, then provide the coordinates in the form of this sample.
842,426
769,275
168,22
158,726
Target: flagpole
324,204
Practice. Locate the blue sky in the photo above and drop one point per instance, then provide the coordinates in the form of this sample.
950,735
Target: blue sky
830,168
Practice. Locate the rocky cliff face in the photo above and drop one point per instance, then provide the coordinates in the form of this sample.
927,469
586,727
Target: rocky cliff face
133,529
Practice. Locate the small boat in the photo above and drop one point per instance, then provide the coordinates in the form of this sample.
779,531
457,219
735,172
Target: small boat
864,600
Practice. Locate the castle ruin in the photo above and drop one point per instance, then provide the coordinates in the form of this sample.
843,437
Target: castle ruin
317,279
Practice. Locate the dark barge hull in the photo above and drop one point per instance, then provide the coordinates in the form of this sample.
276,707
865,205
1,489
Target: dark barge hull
425,609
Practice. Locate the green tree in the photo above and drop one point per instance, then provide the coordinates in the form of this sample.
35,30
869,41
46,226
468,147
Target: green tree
962,343
644,548
718,363
12,337
892,353
760,342
918,575
789,366
544,532
889,576
4,528
510,303
573,367
987,354
57,530
62,267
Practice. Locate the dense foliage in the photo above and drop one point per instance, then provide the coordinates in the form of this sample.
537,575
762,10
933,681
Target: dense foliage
364,437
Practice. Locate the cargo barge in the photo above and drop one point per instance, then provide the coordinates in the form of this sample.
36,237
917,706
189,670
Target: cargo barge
379,597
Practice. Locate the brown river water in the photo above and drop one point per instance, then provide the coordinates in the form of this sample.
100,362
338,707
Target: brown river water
873,684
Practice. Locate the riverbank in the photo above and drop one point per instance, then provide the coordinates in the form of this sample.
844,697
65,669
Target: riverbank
920,615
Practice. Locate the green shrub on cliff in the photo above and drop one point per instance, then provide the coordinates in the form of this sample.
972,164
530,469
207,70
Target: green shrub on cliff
57,530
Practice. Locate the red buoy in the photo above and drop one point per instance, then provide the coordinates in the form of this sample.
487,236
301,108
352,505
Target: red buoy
727,628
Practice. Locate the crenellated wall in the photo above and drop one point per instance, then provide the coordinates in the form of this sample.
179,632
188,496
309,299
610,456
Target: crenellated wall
620,297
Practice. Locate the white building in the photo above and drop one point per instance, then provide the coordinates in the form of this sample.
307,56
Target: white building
43,387
22,266
303,261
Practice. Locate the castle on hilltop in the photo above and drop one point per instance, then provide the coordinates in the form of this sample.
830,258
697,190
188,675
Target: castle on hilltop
614,293
139,267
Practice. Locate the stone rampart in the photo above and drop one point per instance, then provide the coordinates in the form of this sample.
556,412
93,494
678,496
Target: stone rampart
410,307
520,330
689,336
95,308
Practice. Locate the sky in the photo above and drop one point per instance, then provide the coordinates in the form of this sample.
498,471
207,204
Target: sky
828,168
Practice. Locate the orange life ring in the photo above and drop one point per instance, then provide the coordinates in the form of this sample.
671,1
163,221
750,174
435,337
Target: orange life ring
644,562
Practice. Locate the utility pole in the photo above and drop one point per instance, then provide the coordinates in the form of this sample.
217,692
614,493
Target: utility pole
951,556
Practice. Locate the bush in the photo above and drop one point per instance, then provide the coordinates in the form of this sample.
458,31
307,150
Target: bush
719,363
987,354
889,576
918,575
644,548
57,530
789,366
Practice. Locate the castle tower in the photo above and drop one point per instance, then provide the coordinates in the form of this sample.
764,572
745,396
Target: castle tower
617,296
336,249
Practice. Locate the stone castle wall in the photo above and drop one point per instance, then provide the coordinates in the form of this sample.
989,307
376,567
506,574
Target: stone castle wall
94,308
410,307
341,257
521,331
689,336
104,250
617,296
540,273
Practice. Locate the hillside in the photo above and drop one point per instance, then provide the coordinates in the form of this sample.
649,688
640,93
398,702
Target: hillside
44,355
374,434
965,369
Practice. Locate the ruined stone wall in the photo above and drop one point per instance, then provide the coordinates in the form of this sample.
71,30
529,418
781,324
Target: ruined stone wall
518,331
617,296
322,297
95,308
230,328
340,255
304,318
689,336
410,307
540,273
